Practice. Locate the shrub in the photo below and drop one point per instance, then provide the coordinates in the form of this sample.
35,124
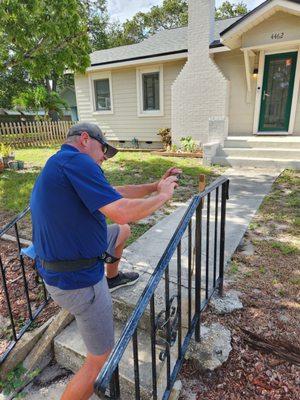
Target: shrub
188,144
5,150
166,137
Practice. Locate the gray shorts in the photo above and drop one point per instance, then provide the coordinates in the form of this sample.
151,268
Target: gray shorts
91,307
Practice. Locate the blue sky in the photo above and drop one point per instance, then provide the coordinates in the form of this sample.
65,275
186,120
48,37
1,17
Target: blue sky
123,9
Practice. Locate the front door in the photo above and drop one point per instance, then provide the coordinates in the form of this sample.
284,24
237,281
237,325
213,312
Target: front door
277,92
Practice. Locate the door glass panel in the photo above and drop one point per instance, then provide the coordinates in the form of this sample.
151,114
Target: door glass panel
276,92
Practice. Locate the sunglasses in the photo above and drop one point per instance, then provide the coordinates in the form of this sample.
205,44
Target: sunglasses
104,148
104,145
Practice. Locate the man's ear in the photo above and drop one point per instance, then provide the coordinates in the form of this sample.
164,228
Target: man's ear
84,137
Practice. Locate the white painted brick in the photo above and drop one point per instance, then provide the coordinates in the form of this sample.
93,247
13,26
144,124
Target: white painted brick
200,90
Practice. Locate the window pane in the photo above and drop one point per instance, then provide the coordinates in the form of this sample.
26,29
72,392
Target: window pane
151,91
102,94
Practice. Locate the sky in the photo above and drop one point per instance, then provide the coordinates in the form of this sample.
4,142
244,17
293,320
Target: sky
124,9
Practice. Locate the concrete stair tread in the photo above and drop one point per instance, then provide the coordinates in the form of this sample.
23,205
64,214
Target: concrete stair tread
256,162
253,149
70,353
263,142
257,158
267,138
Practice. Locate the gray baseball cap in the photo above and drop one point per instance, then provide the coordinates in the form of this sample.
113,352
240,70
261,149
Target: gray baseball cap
94,132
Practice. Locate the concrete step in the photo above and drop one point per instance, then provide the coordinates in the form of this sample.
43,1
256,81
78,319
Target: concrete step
272,142
70,352
278,153
255,162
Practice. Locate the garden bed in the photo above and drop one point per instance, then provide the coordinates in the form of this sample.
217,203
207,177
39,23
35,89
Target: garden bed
184,154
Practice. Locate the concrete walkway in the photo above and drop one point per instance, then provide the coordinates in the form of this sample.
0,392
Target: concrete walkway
247,190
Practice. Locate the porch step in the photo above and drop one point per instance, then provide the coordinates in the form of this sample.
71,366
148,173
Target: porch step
70,352
271,142
260,152
256,162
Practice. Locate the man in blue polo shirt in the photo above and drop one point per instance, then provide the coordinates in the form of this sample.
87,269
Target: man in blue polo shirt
69,205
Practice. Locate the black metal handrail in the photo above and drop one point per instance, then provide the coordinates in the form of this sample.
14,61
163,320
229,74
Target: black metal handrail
109,376
16,335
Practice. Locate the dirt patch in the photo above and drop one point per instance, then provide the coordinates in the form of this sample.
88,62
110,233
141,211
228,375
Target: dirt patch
24,226
265,360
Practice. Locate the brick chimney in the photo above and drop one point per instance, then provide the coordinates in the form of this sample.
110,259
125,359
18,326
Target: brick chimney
200,92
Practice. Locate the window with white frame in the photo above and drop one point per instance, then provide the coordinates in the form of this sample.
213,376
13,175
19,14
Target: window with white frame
102,94
150,91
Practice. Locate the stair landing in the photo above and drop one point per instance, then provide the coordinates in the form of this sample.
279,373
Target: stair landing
260,152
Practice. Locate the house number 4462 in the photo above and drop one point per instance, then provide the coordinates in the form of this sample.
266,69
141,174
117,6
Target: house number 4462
277,35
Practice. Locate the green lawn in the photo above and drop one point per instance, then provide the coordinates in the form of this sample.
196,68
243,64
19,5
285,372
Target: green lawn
125,168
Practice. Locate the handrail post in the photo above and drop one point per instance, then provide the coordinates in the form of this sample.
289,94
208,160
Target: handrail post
224,197
198,249
202,184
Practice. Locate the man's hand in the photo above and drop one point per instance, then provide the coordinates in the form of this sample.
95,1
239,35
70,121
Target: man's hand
167,186
172,171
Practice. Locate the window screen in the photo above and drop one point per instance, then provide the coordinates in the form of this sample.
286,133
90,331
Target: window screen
151,91
102,95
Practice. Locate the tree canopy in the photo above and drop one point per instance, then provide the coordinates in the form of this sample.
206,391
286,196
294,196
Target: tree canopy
44,36
40,40
228,10
171,14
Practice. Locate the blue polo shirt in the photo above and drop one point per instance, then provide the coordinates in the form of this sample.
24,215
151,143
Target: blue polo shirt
66,221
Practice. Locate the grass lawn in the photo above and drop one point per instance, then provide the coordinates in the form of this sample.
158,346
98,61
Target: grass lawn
125,168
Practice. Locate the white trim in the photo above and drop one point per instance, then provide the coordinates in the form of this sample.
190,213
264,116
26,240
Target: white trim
294,104
232,37
269,53
139,88
249,65
281,46
295,95
96,77
276,133
219,49
260,76
142,61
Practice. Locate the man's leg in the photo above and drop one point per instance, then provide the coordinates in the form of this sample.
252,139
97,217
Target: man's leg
112,270
92,308
117,236
81,387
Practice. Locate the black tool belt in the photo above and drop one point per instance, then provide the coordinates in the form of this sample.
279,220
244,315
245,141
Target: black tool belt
77,265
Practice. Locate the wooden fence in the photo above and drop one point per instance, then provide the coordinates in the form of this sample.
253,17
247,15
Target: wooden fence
33,134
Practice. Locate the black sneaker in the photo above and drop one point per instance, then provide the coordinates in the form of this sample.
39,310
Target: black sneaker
122,279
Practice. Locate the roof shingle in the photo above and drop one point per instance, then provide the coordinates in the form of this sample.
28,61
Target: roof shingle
165,41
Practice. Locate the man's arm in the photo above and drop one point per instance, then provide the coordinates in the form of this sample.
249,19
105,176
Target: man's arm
137,191
130,210
140,191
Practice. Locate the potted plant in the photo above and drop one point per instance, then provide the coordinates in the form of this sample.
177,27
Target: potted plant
6,152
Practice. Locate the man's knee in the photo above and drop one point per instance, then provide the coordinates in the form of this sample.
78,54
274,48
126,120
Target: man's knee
95,363
124,233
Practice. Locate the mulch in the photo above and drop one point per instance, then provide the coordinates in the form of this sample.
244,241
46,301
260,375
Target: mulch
17,293
265,360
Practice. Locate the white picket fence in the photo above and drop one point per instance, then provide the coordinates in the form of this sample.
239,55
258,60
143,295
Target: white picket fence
33,134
